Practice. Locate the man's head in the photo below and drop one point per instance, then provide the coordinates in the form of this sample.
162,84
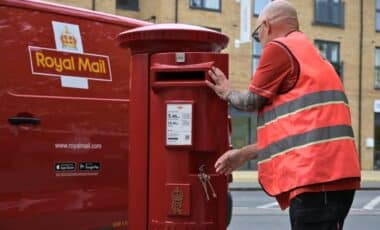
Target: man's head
277,19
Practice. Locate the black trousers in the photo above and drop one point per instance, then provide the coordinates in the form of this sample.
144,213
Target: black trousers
321,210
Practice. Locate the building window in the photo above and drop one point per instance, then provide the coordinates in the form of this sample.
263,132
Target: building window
243,133
257,49
376,153
258,6
330,51
377,15
329,12
206,4
127,4
377,68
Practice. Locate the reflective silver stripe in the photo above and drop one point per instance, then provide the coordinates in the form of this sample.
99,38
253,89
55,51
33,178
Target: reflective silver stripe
314,136
304,102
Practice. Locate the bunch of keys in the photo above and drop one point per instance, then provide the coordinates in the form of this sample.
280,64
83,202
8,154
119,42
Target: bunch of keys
205,181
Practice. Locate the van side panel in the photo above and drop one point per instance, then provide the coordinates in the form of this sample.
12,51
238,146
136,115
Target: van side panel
64,107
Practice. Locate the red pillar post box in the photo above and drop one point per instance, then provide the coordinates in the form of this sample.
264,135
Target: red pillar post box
178,128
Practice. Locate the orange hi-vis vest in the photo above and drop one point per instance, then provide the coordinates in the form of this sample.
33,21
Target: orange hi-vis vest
305,135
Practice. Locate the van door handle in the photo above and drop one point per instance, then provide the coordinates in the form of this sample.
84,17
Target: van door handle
24,120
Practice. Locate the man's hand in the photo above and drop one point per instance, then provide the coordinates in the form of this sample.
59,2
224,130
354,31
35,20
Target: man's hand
222,86
234,158
229,161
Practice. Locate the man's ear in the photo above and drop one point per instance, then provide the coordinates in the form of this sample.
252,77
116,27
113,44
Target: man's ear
268,27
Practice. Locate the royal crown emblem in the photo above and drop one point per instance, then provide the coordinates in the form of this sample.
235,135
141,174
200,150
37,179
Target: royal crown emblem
177,201
68,39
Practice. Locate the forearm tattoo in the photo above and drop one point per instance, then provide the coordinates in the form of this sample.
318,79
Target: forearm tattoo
245,101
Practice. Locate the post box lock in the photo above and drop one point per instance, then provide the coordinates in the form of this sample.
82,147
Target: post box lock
180,57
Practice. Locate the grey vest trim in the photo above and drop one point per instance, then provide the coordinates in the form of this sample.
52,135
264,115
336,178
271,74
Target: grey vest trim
314,136
302,103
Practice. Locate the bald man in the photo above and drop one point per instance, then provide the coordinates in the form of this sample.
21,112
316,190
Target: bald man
305,145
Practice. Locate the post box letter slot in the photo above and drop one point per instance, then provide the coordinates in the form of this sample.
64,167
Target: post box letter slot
174,78
181,76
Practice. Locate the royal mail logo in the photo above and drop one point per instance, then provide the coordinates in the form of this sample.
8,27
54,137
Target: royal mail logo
68,60
50,62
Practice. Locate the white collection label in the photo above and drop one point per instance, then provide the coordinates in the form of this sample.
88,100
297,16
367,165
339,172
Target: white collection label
179,124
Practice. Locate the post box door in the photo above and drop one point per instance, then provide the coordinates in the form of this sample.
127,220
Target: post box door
188,131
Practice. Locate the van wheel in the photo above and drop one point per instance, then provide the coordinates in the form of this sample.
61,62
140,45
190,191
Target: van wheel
229,208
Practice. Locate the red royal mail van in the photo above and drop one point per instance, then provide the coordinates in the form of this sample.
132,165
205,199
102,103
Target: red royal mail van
64,95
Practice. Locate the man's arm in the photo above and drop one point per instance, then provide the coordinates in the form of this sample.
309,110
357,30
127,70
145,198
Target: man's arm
246,101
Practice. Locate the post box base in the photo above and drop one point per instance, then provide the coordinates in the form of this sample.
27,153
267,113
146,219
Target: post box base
156,225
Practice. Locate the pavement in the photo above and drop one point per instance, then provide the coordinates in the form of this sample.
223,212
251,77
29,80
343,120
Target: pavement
247,180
